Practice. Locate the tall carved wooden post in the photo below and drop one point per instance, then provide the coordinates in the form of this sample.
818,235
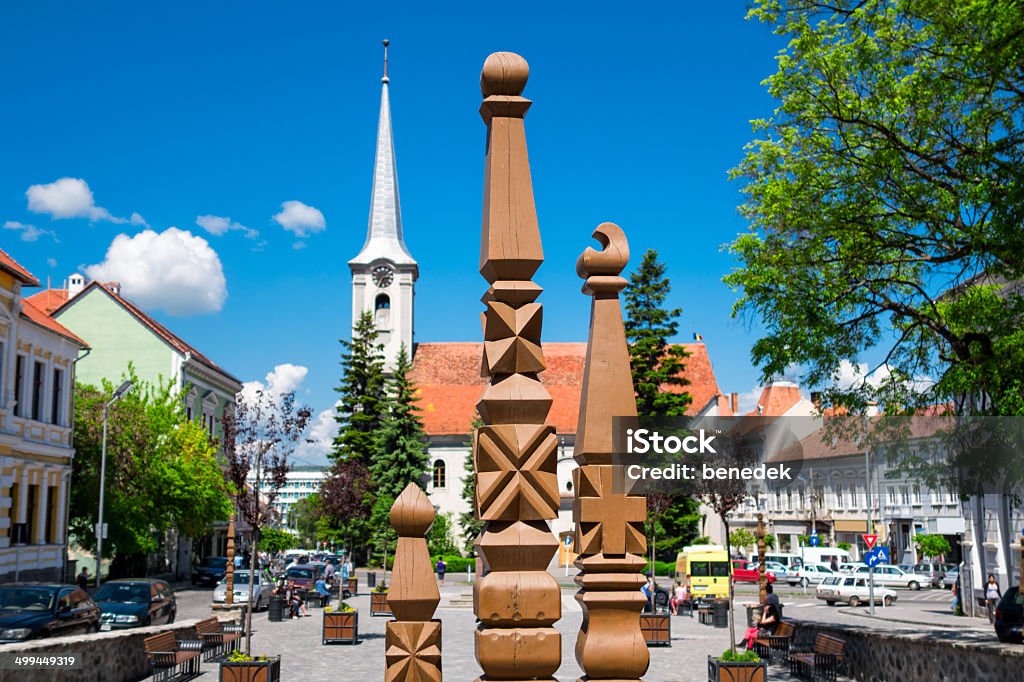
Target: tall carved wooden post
229,594
762,575
412,644
517,600
609,524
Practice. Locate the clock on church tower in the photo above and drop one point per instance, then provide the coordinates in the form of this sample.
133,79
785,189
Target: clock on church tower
383,276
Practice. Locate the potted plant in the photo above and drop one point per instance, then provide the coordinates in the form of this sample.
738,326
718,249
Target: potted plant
656,628
379,601
733,666
239,667
341,625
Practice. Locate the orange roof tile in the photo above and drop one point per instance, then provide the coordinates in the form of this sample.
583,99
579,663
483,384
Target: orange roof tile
37,315
777,399
49,300
17,269
447,376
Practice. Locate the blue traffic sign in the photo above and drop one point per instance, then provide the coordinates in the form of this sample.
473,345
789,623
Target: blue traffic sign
814,541
883,554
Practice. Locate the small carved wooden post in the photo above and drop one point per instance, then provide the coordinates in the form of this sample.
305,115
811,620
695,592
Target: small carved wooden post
609,524
515,454
229,594
762,575
412,644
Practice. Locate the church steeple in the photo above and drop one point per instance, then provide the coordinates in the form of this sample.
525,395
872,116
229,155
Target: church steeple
384,273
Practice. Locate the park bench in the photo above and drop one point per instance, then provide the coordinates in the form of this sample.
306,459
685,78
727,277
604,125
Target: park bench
172,658
218,639
775,647
822,661
705,614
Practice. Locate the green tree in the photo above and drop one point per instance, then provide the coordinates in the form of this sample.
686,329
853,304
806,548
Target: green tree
469,523
932,546
382,535
741,538
303,518
362,401
162,472
885,204
401,443
440,539
276,540
657,365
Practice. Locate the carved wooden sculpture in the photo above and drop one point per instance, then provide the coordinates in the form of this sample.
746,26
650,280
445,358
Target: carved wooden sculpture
412,644
609,524
517,600
762,575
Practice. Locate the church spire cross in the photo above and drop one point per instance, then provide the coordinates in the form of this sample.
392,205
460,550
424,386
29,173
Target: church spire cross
385,42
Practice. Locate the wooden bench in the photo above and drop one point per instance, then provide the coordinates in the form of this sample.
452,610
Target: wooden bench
775,647
172,658
822,661
218,640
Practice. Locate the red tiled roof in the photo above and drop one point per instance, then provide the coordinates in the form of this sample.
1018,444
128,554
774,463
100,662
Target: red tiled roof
447,376
34,314
53,296
49,300
776,400
818,445
17,269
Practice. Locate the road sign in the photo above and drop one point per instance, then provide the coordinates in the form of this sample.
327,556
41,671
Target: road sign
883,554
567,541
870,540
872,559
814,540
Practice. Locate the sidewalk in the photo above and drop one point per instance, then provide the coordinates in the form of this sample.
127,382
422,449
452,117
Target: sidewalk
938,617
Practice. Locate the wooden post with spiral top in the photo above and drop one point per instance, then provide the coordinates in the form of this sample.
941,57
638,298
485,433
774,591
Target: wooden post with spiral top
514,454
609,521
412,643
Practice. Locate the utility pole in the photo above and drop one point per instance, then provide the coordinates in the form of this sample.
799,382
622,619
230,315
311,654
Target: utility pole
100,527
867,491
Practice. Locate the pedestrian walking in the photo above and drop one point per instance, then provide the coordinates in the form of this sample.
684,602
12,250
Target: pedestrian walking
440,567
992,597
83,578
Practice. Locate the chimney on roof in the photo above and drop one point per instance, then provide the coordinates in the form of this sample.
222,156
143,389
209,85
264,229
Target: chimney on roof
114,287
76,283
872,409
734,402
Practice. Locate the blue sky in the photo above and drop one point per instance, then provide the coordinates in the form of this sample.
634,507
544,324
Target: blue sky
180,110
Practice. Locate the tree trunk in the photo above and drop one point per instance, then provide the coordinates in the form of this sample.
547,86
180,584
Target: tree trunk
728,552
253,556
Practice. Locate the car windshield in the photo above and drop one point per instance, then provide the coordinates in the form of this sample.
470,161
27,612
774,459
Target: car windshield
302,573
215,562
26,598
241,579
126,593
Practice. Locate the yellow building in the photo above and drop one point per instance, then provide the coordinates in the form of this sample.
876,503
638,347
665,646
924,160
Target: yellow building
37,367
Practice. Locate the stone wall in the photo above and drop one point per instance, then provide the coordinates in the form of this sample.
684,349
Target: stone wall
118,656
879,655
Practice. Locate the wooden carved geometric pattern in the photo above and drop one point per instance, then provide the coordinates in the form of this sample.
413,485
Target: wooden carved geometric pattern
412,652
609,524
516,472
412,641
515,454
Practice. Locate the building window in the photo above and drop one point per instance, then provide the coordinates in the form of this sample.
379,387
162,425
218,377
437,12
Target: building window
440,474
51,516
382,310
19,386
31,509
3,366
37,391
58,384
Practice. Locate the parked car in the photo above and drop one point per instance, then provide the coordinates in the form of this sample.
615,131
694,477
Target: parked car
305,577
1009,621
744,571
809,574
261,590
34,610
931,572
775,568
850,567
210,570
950,578
135,602
891,576
853,590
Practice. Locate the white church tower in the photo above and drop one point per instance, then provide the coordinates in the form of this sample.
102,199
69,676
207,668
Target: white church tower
384,273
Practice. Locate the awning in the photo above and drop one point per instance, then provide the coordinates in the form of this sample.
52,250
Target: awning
851,526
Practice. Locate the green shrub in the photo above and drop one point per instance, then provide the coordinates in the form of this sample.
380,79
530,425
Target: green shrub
733,656
455,563
662,568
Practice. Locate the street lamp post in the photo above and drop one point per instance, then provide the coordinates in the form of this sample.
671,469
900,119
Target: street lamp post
121,390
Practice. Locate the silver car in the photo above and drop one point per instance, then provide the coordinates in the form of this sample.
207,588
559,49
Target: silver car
260,595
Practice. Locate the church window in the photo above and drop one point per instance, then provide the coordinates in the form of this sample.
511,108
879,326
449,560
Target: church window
440,474
382,310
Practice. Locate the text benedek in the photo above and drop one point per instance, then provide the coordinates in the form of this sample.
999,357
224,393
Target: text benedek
642,441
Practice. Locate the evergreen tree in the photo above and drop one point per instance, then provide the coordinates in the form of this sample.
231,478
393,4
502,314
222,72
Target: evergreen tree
363,402
469,522
649,326
401,444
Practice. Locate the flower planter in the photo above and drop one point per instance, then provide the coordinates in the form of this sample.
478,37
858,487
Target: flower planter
353,585
379,604
341,627
251,671
735,671
656,628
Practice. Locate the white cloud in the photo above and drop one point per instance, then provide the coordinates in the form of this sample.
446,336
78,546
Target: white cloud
747,400
300,219
52,262
138,220
174,271
855,375
29,233
284,378
67,198
218,225
299,245
321,433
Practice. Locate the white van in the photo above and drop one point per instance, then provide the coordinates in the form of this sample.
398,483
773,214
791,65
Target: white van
824,555
790,561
